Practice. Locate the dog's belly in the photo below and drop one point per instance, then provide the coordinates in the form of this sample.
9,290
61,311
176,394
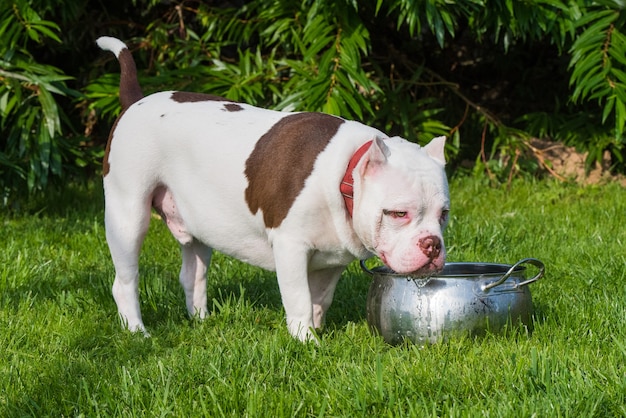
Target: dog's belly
254,249
232,237
219,232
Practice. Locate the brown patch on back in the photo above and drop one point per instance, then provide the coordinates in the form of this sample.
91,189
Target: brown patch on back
105,161
190,97
283,159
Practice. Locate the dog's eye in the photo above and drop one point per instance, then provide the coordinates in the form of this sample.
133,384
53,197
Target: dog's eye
444,216
395,213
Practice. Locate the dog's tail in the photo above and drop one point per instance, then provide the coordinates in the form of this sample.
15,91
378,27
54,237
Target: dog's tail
130,91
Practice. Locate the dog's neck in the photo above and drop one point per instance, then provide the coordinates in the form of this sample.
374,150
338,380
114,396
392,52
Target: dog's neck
347,184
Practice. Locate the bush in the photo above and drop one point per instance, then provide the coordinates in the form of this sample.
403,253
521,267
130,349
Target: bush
33,145
490,76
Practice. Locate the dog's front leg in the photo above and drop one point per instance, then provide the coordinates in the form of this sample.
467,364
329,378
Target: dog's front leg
292,259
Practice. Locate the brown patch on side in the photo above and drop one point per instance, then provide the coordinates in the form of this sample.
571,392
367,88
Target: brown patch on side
105,161
190,97
233,107
283,159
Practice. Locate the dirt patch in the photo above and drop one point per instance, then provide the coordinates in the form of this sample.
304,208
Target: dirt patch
566,163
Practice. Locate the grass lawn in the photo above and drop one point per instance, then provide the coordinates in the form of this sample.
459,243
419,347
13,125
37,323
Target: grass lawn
64,353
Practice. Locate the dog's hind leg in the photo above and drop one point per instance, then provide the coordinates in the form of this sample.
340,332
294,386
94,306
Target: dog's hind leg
127,222
196,259
196,256
322,284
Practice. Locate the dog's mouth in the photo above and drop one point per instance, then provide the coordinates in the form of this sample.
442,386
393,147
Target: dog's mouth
430,268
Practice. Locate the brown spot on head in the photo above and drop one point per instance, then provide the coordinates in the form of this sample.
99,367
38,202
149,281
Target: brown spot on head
189,97
233,107
283,159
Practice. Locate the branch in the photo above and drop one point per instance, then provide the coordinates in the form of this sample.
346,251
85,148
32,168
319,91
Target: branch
453,87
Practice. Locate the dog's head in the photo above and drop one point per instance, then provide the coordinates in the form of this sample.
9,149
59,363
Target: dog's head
401,204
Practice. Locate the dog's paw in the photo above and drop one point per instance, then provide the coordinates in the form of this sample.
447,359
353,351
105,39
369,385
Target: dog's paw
135,327
303,334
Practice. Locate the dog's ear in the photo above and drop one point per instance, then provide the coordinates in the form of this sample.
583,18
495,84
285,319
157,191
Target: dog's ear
375,156
435,149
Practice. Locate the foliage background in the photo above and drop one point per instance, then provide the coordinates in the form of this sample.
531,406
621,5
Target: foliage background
491,75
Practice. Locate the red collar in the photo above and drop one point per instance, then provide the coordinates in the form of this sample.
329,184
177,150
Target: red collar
347,184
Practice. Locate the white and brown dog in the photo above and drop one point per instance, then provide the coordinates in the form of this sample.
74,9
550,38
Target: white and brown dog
303,194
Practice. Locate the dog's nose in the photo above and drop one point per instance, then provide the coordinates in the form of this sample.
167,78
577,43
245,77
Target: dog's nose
430,246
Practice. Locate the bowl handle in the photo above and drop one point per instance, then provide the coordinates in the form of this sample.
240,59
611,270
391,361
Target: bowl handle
364,268
533,261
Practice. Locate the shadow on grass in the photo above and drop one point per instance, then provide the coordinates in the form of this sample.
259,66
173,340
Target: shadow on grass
77,197
260,288
543,313
40,398
71,290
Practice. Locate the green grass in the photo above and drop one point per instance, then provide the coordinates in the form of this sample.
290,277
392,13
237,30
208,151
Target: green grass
63,352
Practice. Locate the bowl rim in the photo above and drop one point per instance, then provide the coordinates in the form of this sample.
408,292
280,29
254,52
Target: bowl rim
476,269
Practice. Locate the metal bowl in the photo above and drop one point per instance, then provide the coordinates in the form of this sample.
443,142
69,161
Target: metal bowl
465,298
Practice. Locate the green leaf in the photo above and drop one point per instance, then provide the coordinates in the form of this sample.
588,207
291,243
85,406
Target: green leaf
608,108
620,118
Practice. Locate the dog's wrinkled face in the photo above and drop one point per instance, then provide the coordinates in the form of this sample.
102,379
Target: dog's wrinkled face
402,204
